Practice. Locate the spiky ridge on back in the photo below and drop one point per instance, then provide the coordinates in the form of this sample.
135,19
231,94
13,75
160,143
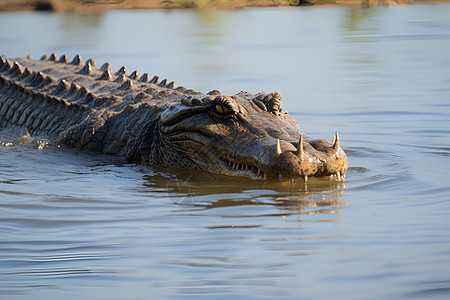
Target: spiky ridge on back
80,105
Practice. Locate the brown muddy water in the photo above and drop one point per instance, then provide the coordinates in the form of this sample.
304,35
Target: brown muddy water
76,225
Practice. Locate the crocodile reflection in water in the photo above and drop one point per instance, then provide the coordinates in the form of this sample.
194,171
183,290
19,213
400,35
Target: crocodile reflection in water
204,191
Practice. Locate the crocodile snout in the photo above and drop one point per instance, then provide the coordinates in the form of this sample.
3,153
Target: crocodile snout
313,158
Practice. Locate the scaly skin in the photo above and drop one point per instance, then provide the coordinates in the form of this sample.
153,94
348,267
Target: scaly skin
159,124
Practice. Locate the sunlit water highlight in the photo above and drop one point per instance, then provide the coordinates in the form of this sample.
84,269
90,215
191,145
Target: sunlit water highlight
81,225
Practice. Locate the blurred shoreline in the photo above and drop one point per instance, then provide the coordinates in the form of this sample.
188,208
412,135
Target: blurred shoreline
95,6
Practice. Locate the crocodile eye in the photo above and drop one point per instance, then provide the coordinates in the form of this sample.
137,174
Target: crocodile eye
222,109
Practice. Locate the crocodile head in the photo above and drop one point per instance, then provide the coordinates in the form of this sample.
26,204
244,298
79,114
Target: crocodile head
244,135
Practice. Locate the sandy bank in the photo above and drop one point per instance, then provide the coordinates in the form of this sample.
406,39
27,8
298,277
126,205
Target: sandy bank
87,6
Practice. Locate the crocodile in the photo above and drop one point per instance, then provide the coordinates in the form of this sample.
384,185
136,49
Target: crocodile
152,121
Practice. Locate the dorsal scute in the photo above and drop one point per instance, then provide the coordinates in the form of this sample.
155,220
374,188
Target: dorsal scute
145,78
171,85
74,88
163,83
87,69
81,93
63,59
48,80
53,57
155,80
30,78
92,62
15,70
127,85
62,87
106,75
122,70
134,75
3,61
5,65
190,92
77,61
25,74
121,78
89,98
214,93
106,66
37,79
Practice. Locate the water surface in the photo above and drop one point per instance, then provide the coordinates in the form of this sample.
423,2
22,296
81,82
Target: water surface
81,225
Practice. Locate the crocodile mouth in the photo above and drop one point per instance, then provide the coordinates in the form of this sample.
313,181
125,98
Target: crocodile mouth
320,159
243,169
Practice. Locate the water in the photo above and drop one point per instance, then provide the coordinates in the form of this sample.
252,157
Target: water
80,225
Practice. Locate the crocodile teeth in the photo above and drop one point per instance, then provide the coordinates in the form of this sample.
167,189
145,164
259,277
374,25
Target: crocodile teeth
338,174
300,147
306,178
291,179
336,141
278,147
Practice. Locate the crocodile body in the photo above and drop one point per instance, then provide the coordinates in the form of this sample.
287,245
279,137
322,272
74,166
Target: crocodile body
154,122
